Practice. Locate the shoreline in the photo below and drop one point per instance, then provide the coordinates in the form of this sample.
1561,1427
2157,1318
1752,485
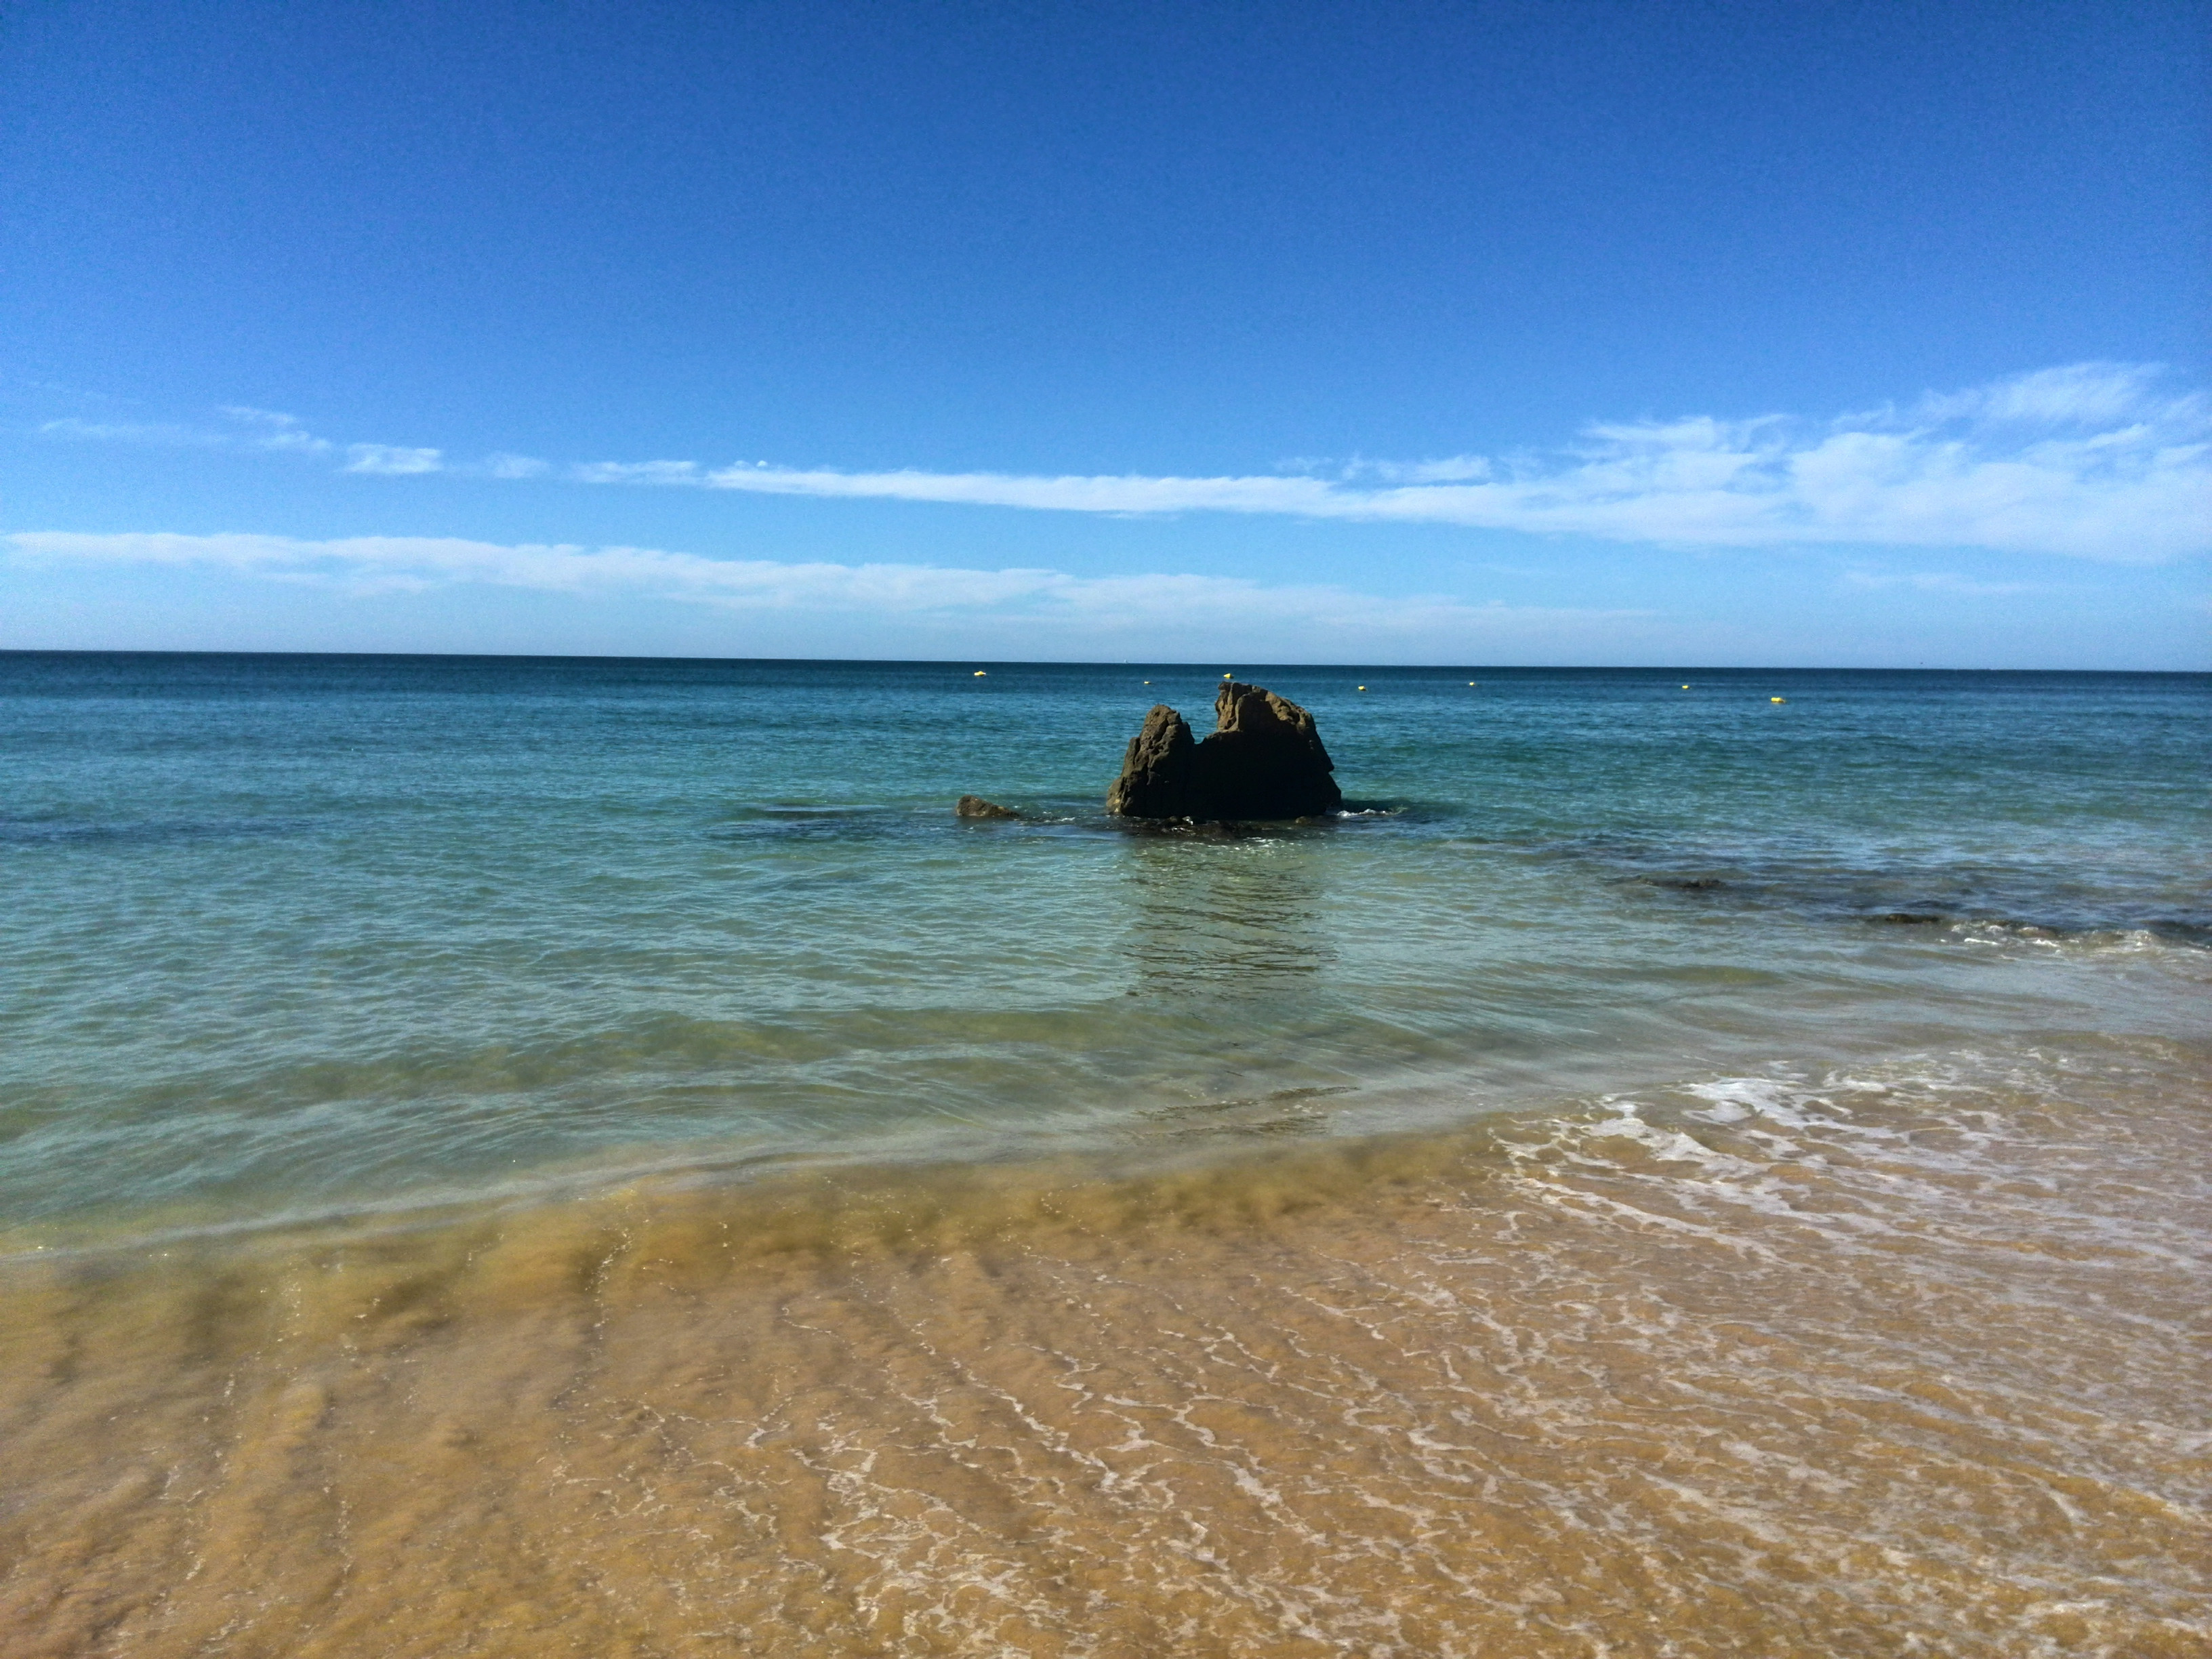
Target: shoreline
1802,1367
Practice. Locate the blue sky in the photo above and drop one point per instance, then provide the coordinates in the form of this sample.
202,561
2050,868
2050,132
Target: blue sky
1484,333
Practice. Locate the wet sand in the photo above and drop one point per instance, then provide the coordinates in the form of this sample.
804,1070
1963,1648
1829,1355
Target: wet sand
1906,1362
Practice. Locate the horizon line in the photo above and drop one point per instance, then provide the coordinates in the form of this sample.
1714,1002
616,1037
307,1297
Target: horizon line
1089,662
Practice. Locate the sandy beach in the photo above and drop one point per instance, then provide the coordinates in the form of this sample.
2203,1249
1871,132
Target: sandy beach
1835,1366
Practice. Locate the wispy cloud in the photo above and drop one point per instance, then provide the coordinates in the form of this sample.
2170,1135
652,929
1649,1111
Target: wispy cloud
648,472
242,427
167,434
2078,395
2093,461
1940,581
373,564
393,458
266,428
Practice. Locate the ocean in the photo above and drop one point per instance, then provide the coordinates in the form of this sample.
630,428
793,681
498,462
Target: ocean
531,1155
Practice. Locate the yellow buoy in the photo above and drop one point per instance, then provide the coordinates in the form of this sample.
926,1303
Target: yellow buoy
1363,688
1685,688
981,675
1777,700
1470,681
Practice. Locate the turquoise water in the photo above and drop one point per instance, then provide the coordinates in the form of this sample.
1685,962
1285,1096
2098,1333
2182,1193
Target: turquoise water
298,936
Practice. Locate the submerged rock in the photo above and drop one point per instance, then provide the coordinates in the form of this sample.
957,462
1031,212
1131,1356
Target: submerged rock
975,806
1264,759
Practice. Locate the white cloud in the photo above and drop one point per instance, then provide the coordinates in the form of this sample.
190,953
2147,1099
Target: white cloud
662,472
2091,461
2078,394
163,433
393,458
1940,581
248,428
243,428
268,429
1452,468
1310,497
1096,604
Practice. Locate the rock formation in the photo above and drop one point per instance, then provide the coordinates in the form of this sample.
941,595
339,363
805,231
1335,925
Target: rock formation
975,806
1263,760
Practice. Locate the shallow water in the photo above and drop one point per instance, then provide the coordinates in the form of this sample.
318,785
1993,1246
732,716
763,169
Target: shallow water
544,1157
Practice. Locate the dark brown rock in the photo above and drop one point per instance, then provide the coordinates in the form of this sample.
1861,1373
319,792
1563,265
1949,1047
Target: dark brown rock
975,806
1155,781
1264,759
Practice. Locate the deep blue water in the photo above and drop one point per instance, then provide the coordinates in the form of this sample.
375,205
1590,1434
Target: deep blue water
293,934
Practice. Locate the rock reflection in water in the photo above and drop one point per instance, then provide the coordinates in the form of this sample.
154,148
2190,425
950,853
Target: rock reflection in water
1230,945
1232,919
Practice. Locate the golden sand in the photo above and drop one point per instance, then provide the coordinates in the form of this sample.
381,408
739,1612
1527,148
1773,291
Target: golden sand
1842,1368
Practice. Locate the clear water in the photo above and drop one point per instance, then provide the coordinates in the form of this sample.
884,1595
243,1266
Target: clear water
295,936
507,1157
